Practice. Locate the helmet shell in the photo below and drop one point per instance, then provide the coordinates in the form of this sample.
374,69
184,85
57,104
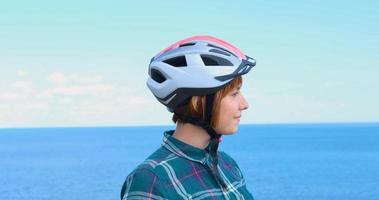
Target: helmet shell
195,66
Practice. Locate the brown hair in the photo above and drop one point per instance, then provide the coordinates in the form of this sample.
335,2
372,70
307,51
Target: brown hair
196,105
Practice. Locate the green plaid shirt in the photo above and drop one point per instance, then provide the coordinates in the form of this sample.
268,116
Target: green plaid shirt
180,171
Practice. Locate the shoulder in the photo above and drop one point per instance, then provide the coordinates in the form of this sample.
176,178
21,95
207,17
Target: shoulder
149,168
140,177
143,183
155,161
147,179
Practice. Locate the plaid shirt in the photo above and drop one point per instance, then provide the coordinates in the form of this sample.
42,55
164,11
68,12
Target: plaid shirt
180,171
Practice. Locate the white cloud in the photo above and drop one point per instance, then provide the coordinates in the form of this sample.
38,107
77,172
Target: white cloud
57,77
73,99
5,95
90,80
22,84
65,100
22,73
82,89
62,78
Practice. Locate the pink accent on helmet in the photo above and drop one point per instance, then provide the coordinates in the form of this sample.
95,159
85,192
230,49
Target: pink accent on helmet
223,43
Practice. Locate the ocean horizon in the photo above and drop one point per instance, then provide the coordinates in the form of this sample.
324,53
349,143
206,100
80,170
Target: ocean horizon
279,161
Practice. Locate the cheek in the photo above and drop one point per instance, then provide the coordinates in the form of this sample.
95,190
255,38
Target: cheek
228,106
227,110
224,109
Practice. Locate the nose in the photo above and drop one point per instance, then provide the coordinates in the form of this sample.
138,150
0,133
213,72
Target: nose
244,104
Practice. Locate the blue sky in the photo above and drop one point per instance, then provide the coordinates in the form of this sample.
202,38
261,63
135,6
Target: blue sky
85,63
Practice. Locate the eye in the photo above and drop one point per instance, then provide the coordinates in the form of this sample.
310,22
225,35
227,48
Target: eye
235,93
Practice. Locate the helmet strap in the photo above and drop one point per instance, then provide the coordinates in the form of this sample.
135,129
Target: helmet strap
215,138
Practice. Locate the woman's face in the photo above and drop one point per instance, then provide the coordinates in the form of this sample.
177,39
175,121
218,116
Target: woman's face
231,108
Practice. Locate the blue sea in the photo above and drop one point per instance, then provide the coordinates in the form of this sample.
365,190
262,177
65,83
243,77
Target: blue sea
291,161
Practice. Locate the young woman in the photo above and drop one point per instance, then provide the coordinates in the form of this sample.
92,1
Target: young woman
199,80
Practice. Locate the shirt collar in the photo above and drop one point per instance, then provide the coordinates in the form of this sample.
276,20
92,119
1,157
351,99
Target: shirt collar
183,149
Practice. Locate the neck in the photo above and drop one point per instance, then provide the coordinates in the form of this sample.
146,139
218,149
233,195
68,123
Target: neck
191,134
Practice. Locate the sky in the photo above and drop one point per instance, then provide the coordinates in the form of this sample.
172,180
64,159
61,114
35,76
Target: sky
84,63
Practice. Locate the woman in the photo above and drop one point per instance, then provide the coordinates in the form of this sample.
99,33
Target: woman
199,80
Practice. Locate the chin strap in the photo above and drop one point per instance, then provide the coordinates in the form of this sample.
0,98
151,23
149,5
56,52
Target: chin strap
214,137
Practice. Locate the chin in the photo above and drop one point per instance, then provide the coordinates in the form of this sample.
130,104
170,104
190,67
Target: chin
228,131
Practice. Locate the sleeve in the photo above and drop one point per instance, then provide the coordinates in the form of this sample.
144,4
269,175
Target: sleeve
142,184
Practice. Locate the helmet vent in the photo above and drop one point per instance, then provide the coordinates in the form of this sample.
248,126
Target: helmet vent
186,44
216,47
179,61
219,51
211,60
157,76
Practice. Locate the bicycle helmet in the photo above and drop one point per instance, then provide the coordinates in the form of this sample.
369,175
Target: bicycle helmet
196,66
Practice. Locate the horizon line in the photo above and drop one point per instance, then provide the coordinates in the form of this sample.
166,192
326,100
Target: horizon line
167,125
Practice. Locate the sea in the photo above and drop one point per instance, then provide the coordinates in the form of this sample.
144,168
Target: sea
280,161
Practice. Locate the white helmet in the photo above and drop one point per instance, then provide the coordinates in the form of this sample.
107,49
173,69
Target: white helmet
199,65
